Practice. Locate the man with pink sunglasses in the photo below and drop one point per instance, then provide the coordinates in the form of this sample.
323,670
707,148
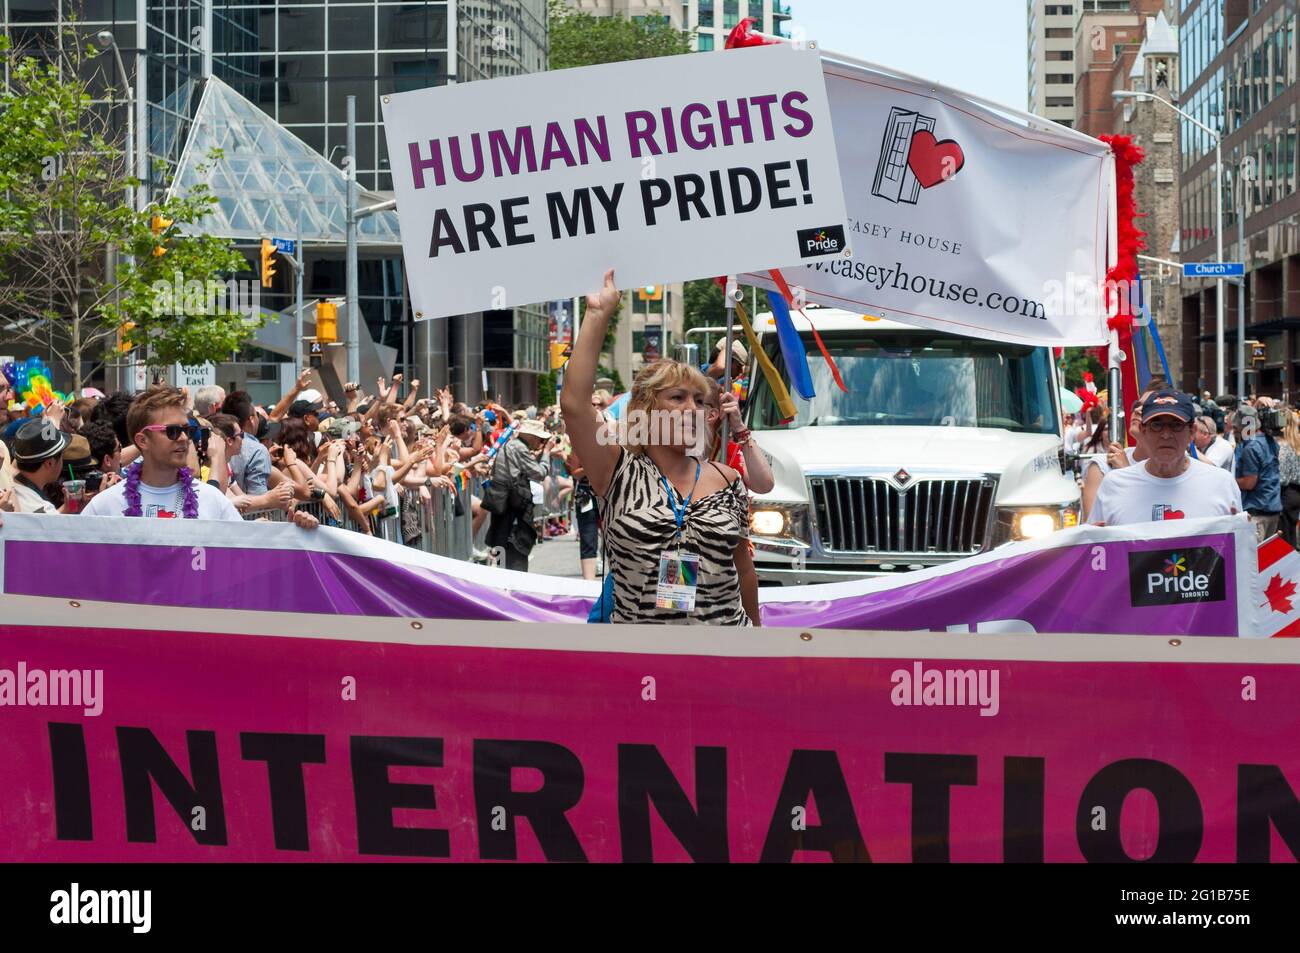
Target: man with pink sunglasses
160,484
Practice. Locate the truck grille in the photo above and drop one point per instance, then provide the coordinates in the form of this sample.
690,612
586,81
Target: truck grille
865,515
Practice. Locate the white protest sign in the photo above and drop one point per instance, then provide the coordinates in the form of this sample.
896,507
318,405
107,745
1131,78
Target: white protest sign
528,188
962,219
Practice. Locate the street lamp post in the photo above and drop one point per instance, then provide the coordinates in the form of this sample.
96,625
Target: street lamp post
1218,201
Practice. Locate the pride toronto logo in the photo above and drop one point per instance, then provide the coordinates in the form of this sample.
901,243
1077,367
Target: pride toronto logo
827,240
1172,577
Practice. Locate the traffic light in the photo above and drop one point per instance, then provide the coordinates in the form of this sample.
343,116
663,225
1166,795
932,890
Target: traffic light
559,355
650,293
123,345
268,262
327,322
158,225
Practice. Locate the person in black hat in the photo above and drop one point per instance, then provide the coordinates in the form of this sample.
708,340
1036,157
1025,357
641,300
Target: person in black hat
1167,485
38,457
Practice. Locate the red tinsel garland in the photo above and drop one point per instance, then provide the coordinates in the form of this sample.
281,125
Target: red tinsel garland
1130,241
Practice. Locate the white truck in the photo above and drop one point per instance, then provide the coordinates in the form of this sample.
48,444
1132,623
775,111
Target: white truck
944,446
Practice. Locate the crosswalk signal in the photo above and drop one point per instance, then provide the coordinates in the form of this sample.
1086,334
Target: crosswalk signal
268,262
559,355
650,293
327,322
158,225
1258,353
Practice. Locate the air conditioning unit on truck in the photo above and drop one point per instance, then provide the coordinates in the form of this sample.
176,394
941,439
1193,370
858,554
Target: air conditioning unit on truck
944,446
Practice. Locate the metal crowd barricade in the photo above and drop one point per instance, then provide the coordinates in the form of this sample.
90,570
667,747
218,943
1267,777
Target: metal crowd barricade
557,501
436,525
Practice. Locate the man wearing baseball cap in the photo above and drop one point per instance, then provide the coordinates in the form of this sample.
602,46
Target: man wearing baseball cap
1167,485
308,407
38,457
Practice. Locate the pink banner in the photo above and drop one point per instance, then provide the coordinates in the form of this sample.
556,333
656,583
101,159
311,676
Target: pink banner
349,739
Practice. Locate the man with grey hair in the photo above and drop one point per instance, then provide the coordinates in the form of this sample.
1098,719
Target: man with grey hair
1209,445
207,400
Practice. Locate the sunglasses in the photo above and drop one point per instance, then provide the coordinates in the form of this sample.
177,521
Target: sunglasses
171,431
1163,426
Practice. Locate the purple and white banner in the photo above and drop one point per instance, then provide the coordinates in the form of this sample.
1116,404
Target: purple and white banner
1193,577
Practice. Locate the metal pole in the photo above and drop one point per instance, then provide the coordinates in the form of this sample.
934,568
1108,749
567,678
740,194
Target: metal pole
350,217
207,39
732,291
1114,388
1220,380
1241,294
297,278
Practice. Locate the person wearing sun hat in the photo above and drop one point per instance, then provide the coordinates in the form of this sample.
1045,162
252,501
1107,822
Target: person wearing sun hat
517,465
38,459
1167,484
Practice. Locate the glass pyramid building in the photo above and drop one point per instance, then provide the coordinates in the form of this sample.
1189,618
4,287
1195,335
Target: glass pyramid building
268,182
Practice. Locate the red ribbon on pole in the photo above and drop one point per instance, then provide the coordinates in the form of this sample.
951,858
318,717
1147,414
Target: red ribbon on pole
1130,241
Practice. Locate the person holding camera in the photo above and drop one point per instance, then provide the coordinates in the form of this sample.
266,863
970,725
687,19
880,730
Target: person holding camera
1258,469
509,498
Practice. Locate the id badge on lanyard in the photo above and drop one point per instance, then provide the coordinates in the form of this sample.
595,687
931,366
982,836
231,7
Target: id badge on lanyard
678,575
679,570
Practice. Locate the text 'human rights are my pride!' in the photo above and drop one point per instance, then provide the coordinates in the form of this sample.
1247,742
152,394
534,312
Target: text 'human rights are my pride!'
684,197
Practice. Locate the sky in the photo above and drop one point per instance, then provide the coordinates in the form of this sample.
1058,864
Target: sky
976,46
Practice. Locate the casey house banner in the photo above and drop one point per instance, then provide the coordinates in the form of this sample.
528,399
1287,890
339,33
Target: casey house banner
148,734
528,188
962,218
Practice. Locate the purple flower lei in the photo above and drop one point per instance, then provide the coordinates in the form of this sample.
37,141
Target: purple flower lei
189,507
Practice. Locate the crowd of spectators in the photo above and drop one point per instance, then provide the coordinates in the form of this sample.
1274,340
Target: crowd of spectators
368,465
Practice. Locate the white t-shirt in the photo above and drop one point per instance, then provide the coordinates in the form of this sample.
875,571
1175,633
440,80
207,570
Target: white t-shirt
1133,495
163,502
1220,453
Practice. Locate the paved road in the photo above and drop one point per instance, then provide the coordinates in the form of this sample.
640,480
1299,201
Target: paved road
556,557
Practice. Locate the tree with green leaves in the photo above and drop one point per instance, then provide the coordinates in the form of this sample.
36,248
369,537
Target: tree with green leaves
703,305
68,215
580,39
1075,361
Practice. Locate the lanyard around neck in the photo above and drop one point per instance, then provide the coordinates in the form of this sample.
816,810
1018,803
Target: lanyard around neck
680,514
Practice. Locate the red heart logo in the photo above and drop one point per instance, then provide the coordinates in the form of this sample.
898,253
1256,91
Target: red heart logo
932,161
1173,514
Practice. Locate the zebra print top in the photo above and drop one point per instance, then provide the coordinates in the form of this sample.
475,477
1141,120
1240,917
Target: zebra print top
639,527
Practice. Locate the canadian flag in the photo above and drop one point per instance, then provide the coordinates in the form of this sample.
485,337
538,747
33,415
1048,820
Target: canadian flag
1278,616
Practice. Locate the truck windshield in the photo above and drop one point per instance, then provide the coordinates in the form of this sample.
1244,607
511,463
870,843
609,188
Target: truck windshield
915,379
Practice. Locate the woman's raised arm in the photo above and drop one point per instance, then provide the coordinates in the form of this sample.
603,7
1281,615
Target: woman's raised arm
585,428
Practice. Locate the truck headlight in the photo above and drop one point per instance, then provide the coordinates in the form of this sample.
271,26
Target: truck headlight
767,522
1037,522
1035,525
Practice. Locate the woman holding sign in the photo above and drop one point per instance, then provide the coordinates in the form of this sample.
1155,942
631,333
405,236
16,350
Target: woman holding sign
673,520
